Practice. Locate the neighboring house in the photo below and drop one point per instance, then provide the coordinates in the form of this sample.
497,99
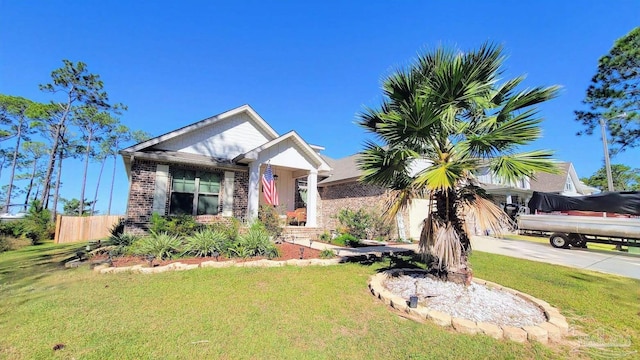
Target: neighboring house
213,169
566,182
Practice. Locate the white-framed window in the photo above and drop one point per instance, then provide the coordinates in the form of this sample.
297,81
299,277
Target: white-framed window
194,192
568,186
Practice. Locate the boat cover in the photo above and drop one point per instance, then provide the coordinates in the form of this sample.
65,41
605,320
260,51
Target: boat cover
627,202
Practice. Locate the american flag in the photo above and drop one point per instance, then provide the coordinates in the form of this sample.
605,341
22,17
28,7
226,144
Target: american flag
269,187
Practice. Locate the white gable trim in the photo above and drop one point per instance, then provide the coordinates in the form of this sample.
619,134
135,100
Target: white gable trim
258,121
254,154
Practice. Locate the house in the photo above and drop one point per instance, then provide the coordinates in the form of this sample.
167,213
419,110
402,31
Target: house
566,182
212,169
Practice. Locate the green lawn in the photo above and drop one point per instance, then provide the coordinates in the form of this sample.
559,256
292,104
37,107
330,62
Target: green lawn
274,313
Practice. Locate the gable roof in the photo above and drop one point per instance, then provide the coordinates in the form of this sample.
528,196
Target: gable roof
253,115
253,154
343,170
545,182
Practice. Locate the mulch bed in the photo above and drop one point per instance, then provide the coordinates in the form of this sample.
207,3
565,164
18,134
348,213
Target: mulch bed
287,251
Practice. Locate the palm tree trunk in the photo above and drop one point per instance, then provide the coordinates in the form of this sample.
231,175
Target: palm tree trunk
95,196
14,162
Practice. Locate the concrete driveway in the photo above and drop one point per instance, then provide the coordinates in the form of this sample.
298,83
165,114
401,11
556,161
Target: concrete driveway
622,264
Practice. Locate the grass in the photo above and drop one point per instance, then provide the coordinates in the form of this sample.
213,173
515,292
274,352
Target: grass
273,313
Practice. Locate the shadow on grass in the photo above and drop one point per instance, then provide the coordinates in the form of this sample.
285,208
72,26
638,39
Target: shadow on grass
389,262
24,267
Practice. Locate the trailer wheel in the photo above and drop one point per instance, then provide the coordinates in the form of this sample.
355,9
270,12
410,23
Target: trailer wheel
559,240
578,241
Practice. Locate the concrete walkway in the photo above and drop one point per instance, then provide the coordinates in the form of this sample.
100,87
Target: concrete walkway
622,264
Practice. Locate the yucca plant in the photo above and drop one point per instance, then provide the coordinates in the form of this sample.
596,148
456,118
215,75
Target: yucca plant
205,242
160,245
443,119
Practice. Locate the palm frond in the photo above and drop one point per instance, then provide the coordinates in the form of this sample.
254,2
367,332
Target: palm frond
482,215
509,168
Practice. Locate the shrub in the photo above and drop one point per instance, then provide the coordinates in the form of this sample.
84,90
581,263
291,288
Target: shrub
161,245
229,230
356,222
346,240
181,225
117,244
327,254
256,242
37,224
269,216
325,236
205,242
4,244
363,224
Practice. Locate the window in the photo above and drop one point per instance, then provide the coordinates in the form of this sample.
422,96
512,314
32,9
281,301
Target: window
194,193
568,186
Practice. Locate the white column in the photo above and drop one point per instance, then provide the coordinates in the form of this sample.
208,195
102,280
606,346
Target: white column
312,198
508,198
254,190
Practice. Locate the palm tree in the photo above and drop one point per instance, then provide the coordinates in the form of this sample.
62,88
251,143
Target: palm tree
443,119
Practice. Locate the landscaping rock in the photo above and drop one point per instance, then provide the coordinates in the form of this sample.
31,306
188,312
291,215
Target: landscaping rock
439,318
514,334
536,333
490,330
553,332
464,326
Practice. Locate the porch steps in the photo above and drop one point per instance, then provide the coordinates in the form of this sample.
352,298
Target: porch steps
300,233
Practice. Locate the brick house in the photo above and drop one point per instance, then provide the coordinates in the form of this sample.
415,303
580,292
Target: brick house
212,169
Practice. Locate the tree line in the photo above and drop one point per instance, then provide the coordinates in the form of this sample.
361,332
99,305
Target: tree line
36,138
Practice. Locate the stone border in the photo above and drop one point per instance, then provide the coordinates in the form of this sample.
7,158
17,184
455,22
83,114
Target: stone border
553,330
178,266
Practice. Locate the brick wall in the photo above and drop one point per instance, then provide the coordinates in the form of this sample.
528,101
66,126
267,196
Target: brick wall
143,177
140,202
353,195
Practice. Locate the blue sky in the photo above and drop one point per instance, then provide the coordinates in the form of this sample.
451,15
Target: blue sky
307,66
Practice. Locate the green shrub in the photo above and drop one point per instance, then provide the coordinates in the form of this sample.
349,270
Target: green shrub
325,236
346,240
205,242
229,230
255,242
117,244
180,225
37,224
117,228
364,224
269,216
4,244
327,254
161,245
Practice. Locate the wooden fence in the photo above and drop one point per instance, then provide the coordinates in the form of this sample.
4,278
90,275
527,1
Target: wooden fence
85,228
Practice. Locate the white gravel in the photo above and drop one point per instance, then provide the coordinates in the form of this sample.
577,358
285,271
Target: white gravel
475,302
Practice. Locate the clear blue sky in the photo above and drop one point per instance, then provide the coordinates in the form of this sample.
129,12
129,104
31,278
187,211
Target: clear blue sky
302,65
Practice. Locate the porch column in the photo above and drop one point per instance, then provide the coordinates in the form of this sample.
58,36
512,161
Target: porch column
508,198
254,190
312,198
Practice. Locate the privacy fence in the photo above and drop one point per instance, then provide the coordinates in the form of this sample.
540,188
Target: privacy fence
85,228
